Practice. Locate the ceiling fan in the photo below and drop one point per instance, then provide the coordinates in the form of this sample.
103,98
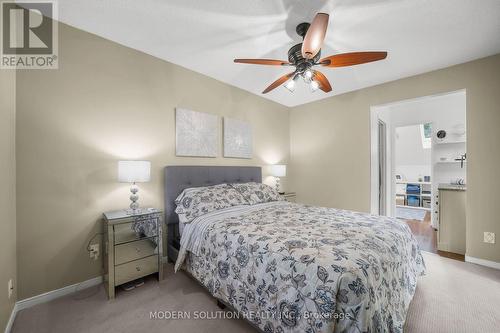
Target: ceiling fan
306,55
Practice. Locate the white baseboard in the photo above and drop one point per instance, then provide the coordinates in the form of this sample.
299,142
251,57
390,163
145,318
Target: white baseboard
483,262
49,296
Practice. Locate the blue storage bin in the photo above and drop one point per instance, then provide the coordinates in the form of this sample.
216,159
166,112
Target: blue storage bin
412,189
413,200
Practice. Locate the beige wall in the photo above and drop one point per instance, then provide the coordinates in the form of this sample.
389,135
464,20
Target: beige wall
8,192
330,145
108,102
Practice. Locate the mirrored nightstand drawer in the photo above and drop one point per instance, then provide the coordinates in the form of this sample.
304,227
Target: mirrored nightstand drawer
124,233
135,250
136,269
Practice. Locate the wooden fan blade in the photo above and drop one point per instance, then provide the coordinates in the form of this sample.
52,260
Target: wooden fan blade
271,62
322,80
315,36
353,58
278,82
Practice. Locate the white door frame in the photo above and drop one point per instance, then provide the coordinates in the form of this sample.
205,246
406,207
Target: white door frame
382,166
374,162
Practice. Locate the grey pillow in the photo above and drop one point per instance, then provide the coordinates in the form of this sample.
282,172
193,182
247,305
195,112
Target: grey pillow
256,193
197,201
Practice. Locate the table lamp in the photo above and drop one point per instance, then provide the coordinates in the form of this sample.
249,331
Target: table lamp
278,170
134,172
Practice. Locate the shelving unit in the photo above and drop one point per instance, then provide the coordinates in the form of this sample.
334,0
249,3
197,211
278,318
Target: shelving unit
421,195
449,142
417,183
449,162
414,207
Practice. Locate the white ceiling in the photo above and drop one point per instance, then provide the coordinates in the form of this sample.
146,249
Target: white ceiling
205,36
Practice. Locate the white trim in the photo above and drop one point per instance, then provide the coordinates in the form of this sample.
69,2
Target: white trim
49,296
374,201
483,262
374,164
418,99
11,318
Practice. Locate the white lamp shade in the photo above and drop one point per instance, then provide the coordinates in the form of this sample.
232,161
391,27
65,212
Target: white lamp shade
134,171
278,170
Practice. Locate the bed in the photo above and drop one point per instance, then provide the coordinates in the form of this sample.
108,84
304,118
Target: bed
289,267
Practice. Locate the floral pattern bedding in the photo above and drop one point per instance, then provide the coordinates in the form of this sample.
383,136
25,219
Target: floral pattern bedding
297,268
255,193
197,201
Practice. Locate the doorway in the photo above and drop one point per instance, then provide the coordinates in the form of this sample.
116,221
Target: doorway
413,167
408,189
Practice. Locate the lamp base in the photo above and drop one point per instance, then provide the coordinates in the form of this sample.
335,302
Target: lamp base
278,185
134,197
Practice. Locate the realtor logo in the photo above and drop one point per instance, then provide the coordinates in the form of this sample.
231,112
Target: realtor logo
28,35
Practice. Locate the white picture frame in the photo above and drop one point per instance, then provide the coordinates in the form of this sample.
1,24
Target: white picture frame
196,133
238,139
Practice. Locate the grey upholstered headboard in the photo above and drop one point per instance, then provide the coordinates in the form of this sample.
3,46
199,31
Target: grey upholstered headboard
177,178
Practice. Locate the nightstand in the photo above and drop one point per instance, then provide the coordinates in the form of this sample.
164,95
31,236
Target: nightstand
131,254
289,196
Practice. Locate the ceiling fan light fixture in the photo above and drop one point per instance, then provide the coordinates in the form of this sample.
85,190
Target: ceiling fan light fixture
290,85
314,85
304,56
308,74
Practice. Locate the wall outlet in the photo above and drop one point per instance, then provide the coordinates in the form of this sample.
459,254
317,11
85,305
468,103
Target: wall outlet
489,237
10,287
94,251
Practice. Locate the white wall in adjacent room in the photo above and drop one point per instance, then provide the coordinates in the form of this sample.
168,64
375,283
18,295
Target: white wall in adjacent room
412,160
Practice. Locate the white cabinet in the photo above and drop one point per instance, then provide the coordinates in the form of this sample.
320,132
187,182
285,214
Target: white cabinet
451,232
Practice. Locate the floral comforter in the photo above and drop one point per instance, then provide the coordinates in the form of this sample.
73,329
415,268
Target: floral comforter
297,268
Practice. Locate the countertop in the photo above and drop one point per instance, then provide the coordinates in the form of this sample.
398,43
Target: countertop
452,187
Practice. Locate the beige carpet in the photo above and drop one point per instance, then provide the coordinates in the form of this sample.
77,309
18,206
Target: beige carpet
455,297
452,297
